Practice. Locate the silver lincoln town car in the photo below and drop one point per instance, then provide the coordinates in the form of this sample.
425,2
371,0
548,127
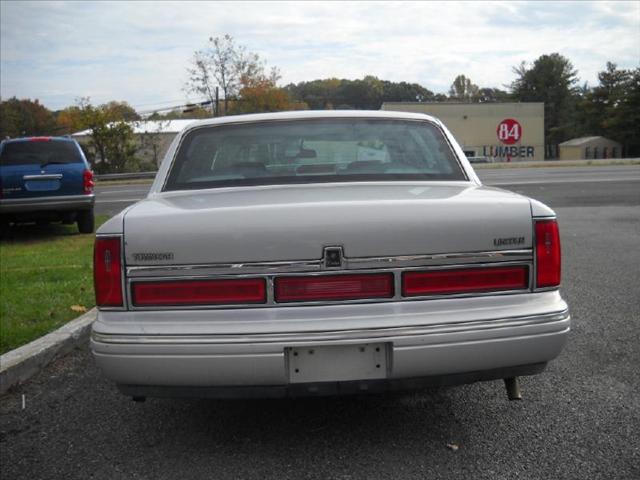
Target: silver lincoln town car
321,253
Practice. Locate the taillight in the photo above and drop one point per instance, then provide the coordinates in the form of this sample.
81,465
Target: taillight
548,257
333,287
468,280
87,181
40,139
199,292
107,272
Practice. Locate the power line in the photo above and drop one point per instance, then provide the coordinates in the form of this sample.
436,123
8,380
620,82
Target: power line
162,103
184,106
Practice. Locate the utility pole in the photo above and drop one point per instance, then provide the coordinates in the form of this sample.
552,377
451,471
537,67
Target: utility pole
216,112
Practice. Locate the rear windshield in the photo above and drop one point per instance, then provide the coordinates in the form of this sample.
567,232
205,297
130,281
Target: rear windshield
39,152
311,151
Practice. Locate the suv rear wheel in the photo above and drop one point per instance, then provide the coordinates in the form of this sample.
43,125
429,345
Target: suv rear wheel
86,221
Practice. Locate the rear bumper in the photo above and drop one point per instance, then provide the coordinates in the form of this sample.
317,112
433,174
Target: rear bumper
332,388
428,342
54,203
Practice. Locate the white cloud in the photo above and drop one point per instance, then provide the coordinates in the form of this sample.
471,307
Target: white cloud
138,51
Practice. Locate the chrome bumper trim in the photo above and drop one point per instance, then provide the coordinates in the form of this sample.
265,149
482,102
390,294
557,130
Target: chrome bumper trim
346,335
354,263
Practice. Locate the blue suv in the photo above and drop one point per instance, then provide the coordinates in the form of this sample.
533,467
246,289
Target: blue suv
46,179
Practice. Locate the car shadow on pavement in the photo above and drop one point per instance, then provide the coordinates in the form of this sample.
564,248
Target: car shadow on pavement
370,422
72,416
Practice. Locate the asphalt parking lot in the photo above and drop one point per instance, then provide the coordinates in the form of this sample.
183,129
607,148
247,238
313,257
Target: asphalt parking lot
580,419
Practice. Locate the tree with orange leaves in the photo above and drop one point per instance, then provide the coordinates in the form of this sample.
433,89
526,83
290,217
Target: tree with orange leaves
260,93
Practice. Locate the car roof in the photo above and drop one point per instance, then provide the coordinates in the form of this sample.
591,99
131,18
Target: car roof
313,114
38,137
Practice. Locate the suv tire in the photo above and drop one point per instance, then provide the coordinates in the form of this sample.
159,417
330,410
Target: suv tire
86,221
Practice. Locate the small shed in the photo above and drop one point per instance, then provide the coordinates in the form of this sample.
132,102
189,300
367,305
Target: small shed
589,147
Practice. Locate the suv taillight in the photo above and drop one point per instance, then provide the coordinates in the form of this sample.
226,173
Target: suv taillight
548,258
107,272
87,181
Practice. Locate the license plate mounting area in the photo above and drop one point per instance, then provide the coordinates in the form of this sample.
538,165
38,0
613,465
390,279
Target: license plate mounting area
335,363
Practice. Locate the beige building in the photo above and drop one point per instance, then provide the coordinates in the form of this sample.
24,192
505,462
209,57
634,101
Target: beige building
499,131
589,147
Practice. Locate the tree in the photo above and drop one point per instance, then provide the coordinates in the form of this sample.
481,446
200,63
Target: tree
120,111
488,95
405,92
317,94
70,120
25,117
612,108
368,93
552,80
363,94
112,138
463,89
119,145
262,95
623,113
222,63
73,119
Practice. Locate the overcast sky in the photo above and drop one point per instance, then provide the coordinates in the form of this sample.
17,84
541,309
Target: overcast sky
138,52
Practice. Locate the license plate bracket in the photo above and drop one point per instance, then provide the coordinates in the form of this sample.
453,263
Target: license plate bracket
334,363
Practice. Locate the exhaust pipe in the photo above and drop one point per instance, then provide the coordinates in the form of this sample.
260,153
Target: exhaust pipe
513,388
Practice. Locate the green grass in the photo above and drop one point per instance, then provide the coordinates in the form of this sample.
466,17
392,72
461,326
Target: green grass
44,271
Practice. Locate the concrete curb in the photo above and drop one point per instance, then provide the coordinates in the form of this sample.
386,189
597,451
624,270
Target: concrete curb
20,364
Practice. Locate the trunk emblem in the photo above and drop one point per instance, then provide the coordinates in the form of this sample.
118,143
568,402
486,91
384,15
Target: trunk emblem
333,257
152,257
499,242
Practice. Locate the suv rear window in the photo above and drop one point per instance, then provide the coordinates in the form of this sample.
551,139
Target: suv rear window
311,151
39,152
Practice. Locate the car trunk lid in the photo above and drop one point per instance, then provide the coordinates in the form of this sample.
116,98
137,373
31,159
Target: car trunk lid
290,223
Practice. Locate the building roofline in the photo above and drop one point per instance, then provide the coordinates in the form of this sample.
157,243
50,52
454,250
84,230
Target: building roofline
462,103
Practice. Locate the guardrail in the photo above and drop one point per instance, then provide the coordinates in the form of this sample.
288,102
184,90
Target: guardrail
559,163
125,176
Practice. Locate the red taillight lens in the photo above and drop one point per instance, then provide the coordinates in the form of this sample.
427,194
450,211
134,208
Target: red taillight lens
107,272
199,292
333,287
87,181
548,255
40,139
470,280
